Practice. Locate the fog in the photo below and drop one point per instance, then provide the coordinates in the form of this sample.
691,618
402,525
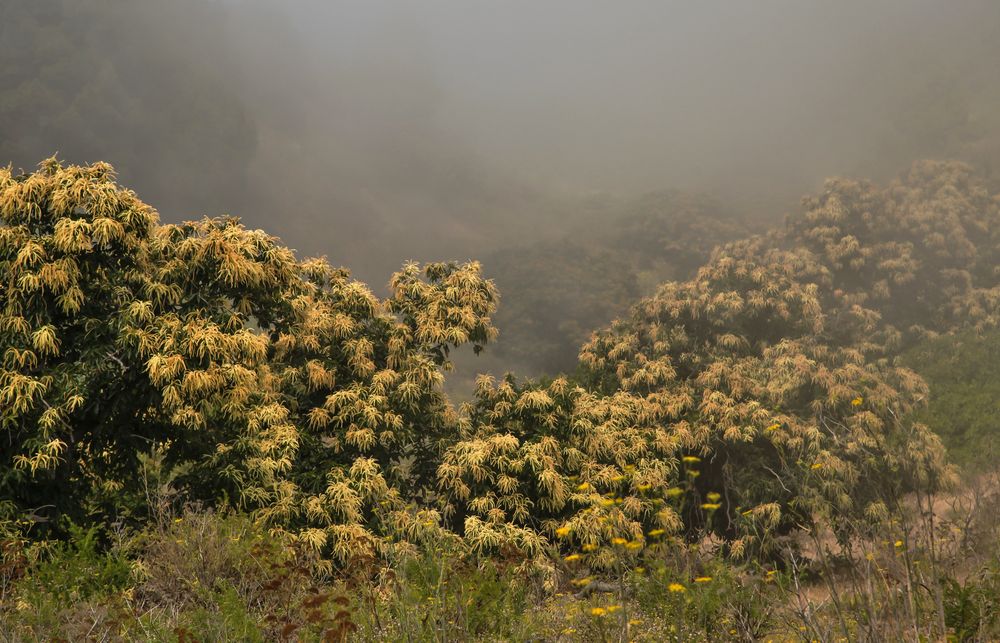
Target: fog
376,132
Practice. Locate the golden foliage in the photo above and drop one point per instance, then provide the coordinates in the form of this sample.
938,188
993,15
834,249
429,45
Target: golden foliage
755,396
307,388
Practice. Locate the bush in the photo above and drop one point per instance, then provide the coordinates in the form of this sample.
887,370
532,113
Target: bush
73,588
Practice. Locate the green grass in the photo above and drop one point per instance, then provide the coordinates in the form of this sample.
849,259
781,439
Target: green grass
963,371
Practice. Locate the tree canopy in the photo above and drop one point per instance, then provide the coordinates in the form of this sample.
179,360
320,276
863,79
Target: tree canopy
745,401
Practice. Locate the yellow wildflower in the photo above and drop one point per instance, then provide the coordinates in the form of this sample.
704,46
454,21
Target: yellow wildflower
657,532
562,532
597,611
691,459
703,579
572,557
618,541
710,506
858,401
676,588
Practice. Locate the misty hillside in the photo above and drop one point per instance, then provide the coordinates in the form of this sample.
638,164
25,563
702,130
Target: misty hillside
376,132
505,322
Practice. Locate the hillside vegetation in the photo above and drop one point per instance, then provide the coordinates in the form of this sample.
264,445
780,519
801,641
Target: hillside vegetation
557,292
963,371
196,392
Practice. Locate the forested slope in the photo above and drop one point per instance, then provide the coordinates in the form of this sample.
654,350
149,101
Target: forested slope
758,399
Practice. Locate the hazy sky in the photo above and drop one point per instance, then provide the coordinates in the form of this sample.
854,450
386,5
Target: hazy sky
440,129
635,95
